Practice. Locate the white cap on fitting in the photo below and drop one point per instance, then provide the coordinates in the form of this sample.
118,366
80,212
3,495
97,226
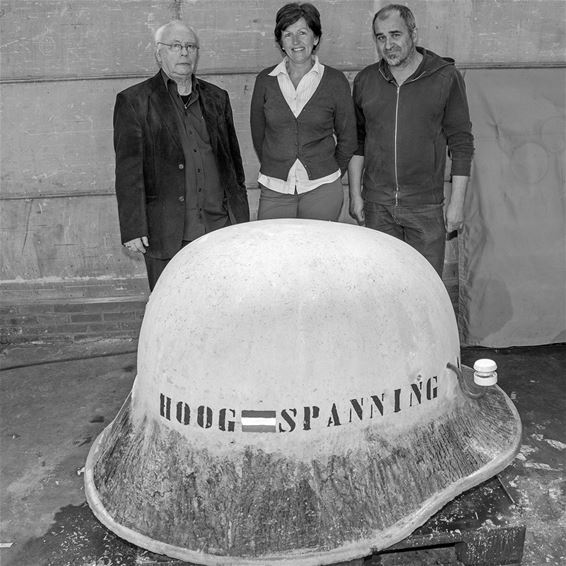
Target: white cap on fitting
484,372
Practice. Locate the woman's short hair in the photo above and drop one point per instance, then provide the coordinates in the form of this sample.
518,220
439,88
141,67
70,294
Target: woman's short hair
293,12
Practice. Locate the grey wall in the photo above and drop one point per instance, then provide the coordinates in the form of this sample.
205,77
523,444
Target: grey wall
62,63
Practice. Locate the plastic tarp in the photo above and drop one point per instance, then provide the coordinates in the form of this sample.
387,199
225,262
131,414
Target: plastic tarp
512,252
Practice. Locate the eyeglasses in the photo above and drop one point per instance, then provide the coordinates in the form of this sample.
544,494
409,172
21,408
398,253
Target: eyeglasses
178,47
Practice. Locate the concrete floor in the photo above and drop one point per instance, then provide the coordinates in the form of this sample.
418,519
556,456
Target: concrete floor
55,400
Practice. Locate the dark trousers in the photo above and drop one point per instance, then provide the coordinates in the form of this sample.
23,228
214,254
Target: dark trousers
422,227
322,203
155,266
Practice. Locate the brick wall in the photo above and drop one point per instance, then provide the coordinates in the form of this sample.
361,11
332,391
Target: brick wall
45,322
61,311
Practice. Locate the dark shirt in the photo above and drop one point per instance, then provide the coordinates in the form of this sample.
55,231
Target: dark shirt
205,210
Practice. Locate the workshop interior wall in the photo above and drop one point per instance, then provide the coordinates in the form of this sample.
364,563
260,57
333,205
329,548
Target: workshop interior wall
62,64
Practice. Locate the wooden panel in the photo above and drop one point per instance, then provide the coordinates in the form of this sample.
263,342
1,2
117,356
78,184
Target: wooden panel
57,136
47,38
63,238
476,32
86,38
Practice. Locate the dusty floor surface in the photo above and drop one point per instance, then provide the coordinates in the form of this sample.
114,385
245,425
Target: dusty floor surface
55,400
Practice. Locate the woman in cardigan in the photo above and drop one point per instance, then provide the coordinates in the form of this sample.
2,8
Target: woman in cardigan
303,124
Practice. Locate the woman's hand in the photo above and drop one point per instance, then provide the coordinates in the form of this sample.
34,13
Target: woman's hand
357,209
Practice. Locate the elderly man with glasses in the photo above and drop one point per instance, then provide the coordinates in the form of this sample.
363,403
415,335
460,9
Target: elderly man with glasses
179,171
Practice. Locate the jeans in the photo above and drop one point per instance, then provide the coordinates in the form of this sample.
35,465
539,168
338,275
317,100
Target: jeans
422,227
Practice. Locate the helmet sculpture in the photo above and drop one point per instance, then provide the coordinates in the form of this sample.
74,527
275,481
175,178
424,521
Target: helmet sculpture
299,399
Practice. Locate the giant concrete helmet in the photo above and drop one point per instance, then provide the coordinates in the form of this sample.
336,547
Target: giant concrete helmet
299,399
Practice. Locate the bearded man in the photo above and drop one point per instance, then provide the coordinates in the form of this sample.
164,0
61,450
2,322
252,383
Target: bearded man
410,106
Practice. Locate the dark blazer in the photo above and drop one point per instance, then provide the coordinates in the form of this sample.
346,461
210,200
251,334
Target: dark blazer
150,176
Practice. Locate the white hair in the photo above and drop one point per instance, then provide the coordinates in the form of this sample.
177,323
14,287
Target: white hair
158,35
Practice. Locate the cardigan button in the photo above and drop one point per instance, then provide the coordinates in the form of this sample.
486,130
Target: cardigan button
181,199
181,166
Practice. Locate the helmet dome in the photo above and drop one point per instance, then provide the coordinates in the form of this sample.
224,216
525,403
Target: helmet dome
296,400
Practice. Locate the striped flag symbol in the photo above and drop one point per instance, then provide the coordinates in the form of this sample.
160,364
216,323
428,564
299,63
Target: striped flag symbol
258,421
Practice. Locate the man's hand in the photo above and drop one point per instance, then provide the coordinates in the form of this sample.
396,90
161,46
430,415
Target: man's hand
357,209
137,244
453,217
355,171
454,208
